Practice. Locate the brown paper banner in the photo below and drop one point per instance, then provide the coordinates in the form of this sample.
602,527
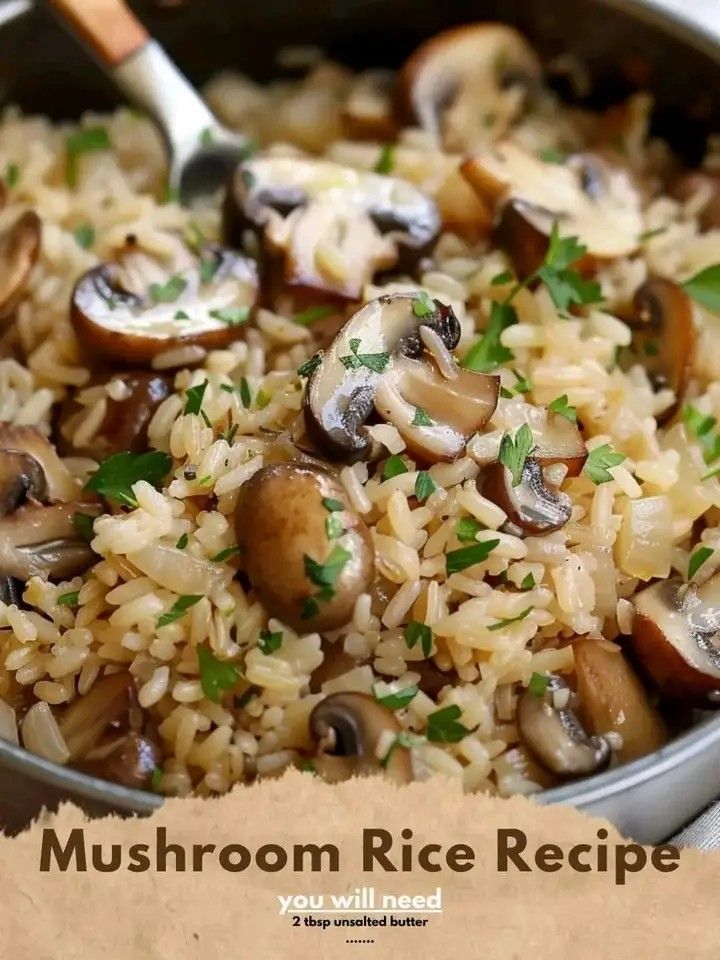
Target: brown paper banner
220,914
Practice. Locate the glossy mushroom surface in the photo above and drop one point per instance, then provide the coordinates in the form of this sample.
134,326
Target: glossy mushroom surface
533,506
137,307
329,227
306,552
346,729
392,358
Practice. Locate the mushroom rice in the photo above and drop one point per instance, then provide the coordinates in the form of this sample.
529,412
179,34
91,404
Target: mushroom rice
401,458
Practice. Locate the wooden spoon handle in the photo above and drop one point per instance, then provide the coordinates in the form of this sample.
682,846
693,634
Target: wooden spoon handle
108,26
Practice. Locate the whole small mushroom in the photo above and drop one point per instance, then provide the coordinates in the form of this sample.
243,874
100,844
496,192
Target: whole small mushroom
347,728
533,506
307,553
555,736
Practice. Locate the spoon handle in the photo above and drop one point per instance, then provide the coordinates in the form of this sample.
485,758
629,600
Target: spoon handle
108,27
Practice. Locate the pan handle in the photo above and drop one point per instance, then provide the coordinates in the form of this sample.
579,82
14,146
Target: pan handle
108,27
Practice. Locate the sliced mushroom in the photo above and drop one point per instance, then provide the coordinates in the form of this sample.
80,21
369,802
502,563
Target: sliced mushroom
612,698
58,484
467,86
375,363
137,307
664,337
129,760
21,478
126,421
532,506
586,196
555,736
368,110
305,550
19,251
555,438
675,636
43,541
85,721
703,185
346,728
329,226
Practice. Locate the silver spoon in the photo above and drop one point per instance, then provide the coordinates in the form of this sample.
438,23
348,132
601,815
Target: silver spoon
202,151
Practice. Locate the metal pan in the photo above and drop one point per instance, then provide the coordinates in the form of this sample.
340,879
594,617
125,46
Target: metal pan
41,69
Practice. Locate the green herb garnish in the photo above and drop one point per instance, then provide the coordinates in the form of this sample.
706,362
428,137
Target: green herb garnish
423,305
500,279
422,418
167,292
331,505
206,137
704,287
69,599
506,621
156,779
84,235
698,559
467,528
245,395
702,425
394,467
12,175
194,398
487,352
539,683
416,631
396,701
88,140
232,316
215,675
326,574
373,361
599,462
550,155
424,485
225,554
209,266
305,369
386,160
182,542
464,557
649,234
528,582
514,451
561,406
179,609
114,477
444,725
313,314
270,642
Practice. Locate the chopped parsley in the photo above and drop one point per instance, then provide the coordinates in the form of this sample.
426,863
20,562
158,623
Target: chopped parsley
87,140
182,542
424,485
514,451
528,582
114,477
398,700
600,461
307,766
167,292
649,234
539,683
313,314
156,779
179,608
550,155
331,505
464,557
324,575
232,316
209,266
180,315
69,599
698,559
487,352
245,395
522,385
333,527
506,621
225,554
194,397
403,739
12,175
500,279
270,642
373,361
262,399
702,425
467,528
564,285
215,675
84,235
386,160
422,418
423,305
444,725
305,369
206,137
704,287
561,406
394,467
229,435
194,237
83,523
416,631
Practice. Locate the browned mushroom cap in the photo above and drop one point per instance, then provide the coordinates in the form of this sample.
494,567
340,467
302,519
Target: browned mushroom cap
19,250
43,541
468,85
346,728
126,421
59,482
130,760
704,184
532,506
612,698
331,227
21,478
664,336
368,110
555,736
586,196
674,637
135,308
376,363
306,552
